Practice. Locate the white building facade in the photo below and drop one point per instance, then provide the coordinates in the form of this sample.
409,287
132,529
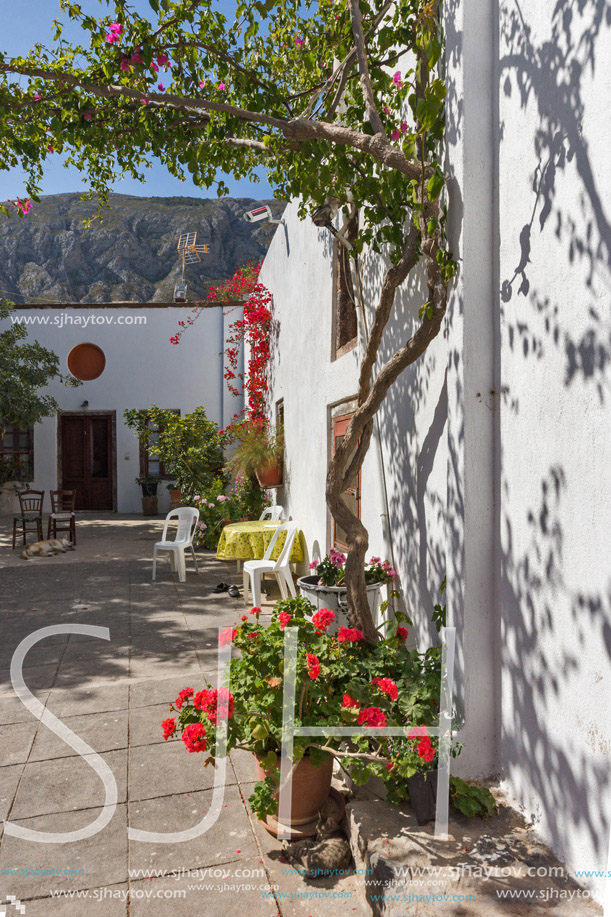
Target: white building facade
491,461
123,354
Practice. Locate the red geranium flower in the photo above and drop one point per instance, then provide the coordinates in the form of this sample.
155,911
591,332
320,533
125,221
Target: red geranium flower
210,700
371,716
417,731
425,749
227,635
284,617
349,635
348,701
323,618
183,695
169,728
194,737
402,633
386,685
313,666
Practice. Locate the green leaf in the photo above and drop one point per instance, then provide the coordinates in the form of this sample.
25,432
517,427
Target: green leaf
435,184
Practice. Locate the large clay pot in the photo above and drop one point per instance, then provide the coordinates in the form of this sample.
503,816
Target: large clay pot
175,495
270,475
311,786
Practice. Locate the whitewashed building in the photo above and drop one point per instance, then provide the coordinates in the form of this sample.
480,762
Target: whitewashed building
492,459
122,353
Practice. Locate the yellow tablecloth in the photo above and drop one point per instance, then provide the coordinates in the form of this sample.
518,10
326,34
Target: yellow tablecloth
249,540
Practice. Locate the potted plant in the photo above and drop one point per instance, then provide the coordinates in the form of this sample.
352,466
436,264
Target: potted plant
340,680
174,491
325,586
149,485
259,452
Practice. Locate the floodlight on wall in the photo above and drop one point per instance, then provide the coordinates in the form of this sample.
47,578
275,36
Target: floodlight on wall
260,213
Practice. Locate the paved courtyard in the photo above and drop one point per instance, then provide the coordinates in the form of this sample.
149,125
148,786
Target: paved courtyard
114,695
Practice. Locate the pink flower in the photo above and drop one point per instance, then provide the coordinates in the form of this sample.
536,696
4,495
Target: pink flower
386,110
154,67
349,635
397,79
136,58
162,59
111,38
417,731
183,695
23,206
371,716
404,127
299,42
87,116
313,565
321,619
50,148
37,97
202,83
221,498
395,135
124,65
227,635
160,87
313,666
284,617
116,28
386,685
221,86
194,737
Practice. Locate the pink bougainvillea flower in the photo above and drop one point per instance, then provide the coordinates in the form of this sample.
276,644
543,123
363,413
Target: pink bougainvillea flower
371,716
417,731
160,87
183,695
284,617
387,685
51,148
136,57
221,86
395,135
37,97
349,635
194,737
117,28
111,38
154,67
387,112
313,666
404,127
23,206
322,618
397,79
87,115
124,65
162,59
202,83
169,728
227,635
299,42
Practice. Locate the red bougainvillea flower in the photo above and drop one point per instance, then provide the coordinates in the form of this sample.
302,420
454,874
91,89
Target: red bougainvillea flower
313,666
371,716
348,701
425,749
227,635
321,619
417,731
402,633
349,635
194,737
169,728
183,695
284,617
386,685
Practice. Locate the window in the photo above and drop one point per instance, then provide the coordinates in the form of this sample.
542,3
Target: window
19,445
344,305
351,496
150,464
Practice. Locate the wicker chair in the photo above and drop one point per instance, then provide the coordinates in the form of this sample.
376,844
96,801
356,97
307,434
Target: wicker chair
30,517
62,518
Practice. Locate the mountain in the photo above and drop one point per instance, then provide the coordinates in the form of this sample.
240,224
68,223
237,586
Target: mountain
130,254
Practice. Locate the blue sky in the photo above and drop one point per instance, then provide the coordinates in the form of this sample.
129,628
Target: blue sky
24,22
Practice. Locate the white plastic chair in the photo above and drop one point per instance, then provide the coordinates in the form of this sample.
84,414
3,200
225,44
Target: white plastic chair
188,518
274,513
254,569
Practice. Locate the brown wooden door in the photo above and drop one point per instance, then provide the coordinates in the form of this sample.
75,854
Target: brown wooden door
87,459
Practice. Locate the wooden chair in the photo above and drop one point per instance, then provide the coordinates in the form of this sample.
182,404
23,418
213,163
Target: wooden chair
62,518
30,502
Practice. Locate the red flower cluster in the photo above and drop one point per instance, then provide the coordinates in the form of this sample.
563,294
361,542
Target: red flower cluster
321,619
227,635
348,701
386,685
349,635
169,728
194,737
284,617
425,749
213,703
371,716
417,731
313,666
402,633
183,695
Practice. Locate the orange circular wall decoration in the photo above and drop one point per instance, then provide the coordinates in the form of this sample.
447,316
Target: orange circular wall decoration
86,362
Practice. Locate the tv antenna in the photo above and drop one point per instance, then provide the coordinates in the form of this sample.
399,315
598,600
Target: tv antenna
189,252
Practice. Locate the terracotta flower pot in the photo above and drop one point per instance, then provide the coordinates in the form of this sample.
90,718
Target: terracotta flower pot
270,475
175,495
311,786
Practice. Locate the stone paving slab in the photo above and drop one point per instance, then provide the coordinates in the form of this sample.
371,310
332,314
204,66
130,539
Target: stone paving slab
16,742
161,770
102,731
99,699
111,901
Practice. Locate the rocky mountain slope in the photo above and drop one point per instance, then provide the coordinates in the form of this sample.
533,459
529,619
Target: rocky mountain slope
51,255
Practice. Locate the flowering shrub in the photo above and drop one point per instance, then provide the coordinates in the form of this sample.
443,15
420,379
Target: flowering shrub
341,680
331,570
245,500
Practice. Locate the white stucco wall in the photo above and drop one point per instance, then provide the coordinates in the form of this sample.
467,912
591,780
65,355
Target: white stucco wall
554,353
142,368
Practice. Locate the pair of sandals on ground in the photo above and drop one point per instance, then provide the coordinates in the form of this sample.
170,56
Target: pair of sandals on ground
233,591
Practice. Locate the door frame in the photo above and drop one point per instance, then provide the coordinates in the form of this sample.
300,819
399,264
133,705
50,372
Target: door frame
113,450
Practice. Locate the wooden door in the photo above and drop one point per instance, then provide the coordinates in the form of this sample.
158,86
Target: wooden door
87,459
